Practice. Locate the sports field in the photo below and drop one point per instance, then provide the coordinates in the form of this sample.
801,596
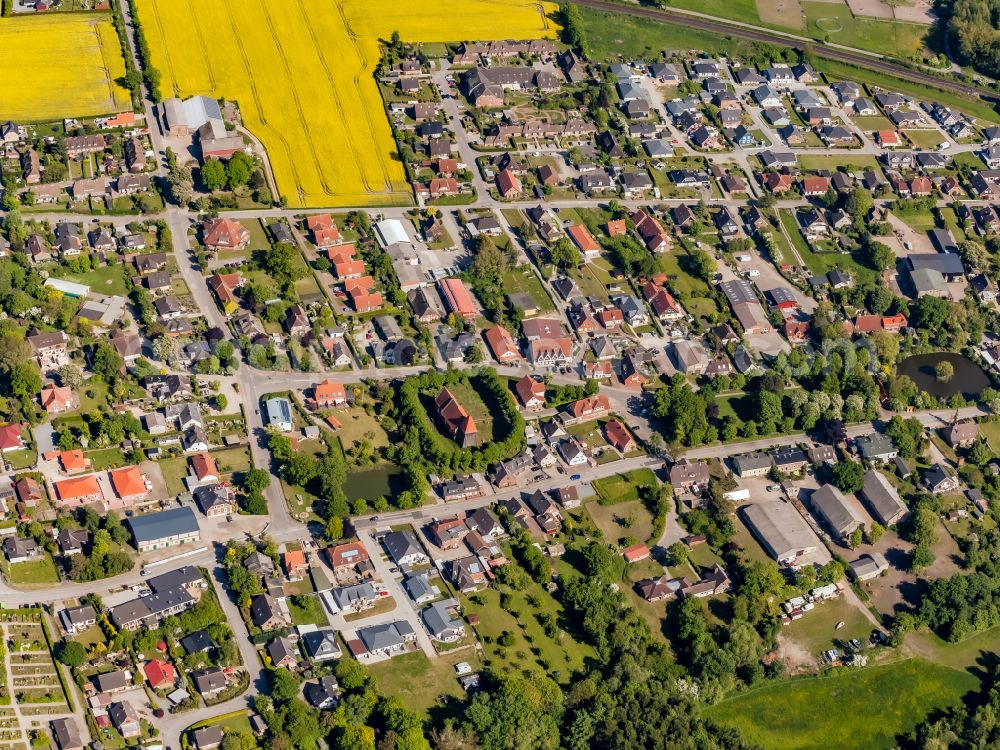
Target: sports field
302,74
60,65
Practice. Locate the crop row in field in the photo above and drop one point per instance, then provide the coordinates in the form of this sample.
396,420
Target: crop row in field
301,73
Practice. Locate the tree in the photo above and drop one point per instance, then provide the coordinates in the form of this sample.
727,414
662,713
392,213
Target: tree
334,529
165,349
25,382
564,254
848,476
855,539
256,480
70,375
213,175
72,653
881,256
704,265
944,371
107,363
930,313
875,532
238,170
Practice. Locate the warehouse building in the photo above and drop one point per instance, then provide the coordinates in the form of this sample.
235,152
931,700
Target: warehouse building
882,499
831,506
780,529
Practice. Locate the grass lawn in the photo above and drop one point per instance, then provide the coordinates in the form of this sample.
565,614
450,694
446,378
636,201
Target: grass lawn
106,458
311,614
692,291
850,161
469,397
586,278
920,219
737,10
834,22
820,264
817,630
523,281
21,459
622,488
990,430
234,722
950,220
870,123
614,520
924,138
42,570
965,654
969,158
816,713
532,651
174,470
233,460
357,426
93,395
422,683
105,280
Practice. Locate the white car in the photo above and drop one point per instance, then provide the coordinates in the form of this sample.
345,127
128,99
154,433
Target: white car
753,274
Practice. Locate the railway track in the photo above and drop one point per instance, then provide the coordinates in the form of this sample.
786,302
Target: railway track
716,26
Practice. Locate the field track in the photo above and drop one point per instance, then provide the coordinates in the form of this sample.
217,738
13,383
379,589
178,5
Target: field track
724,28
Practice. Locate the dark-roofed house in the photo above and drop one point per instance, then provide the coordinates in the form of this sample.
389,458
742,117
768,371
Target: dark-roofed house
209,682
322,694
322,645
403,548
387,639
876,447
752,465
125,718
685,475
833,509
207,738
265,614
67,734
282,654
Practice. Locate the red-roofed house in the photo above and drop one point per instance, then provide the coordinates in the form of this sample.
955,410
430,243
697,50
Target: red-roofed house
584,240
651,231
616,228
893,323
294,563
11,438
815,186
323,230
129,484
225,234
796,331
591,407
440,186
635,553
159,673
79,491
508,185
57,399
887,138
458,423
225,285
74,461
777,183
502,344
867,324
619,436
205,467
327,394
530,392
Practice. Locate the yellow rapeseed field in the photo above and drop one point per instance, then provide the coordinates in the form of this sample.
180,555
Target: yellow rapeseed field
60,65
301,72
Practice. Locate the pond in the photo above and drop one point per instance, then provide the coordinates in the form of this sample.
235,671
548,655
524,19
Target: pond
384,479
969,378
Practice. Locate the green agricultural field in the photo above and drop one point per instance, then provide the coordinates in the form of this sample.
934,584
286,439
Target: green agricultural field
736,10
863,709
613,35
623,488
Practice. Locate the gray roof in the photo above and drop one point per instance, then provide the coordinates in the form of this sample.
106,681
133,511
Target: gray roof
348,595
780,528
280,649
945,263
386,636
751,461
167,523
321,644
186,575
401,544
832,506
209,680
67,733
278,410
882,498
418,586
437,617
874,445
